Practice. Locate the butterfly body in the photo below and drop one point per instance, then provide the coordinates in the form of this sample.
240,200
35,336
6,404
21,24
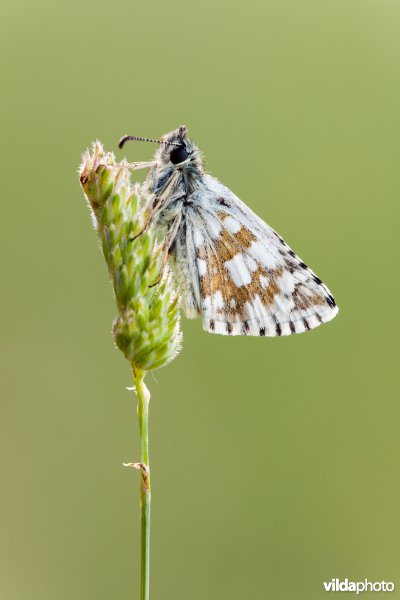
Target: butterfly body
233,269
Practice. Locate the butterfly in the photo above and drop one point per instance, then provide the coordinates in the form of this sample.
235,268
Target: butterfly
232,268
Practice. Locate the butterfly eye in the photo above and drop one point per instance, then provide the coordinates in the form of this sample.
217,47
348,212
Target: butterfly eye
178,155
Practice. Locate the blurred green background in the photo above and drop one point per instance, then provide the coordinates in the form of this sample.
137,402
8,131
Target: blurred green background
275,462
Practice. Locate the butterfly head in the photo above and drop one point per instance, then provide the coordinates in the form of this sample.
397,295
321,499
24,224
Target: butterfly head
177,151
176,158
175,148
177,164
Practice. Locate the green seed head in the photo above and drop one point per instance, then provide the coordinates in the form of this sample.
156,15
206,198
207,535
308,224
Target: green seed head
147,328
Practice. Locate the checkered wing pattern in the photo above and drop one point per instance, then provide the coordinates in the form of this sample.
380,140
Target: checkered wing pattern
250,282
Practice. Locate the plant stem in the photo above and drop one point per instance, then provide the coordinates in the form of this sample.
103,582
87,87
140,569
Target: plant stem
143,395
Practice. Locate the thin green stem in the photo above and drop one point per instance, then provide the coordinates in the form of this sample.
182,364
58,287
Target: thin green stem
143,395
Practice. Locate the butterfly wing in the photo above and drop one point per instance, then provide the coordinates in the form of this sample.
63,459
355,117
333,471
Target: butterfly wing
246,278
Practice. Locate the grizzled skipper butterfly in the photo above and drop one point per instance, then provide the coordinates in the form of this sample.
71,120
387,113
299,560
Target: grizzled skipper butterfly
233,269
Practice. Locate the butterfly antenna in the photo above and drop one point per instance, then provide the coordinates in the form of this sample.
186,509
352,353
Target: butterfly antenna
136,138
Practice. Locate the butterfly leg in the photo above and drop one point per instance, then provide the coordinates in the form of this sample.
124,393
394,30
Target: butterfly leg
136,165
147,222
163,201
167,245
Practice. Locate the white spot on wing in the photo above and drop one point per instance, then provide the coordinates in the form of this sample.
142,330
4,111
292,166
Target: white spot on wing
257,250
198,238
250,263
286,283
232,225
202,266
255,309
214,228
206,303
238,270
218,301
